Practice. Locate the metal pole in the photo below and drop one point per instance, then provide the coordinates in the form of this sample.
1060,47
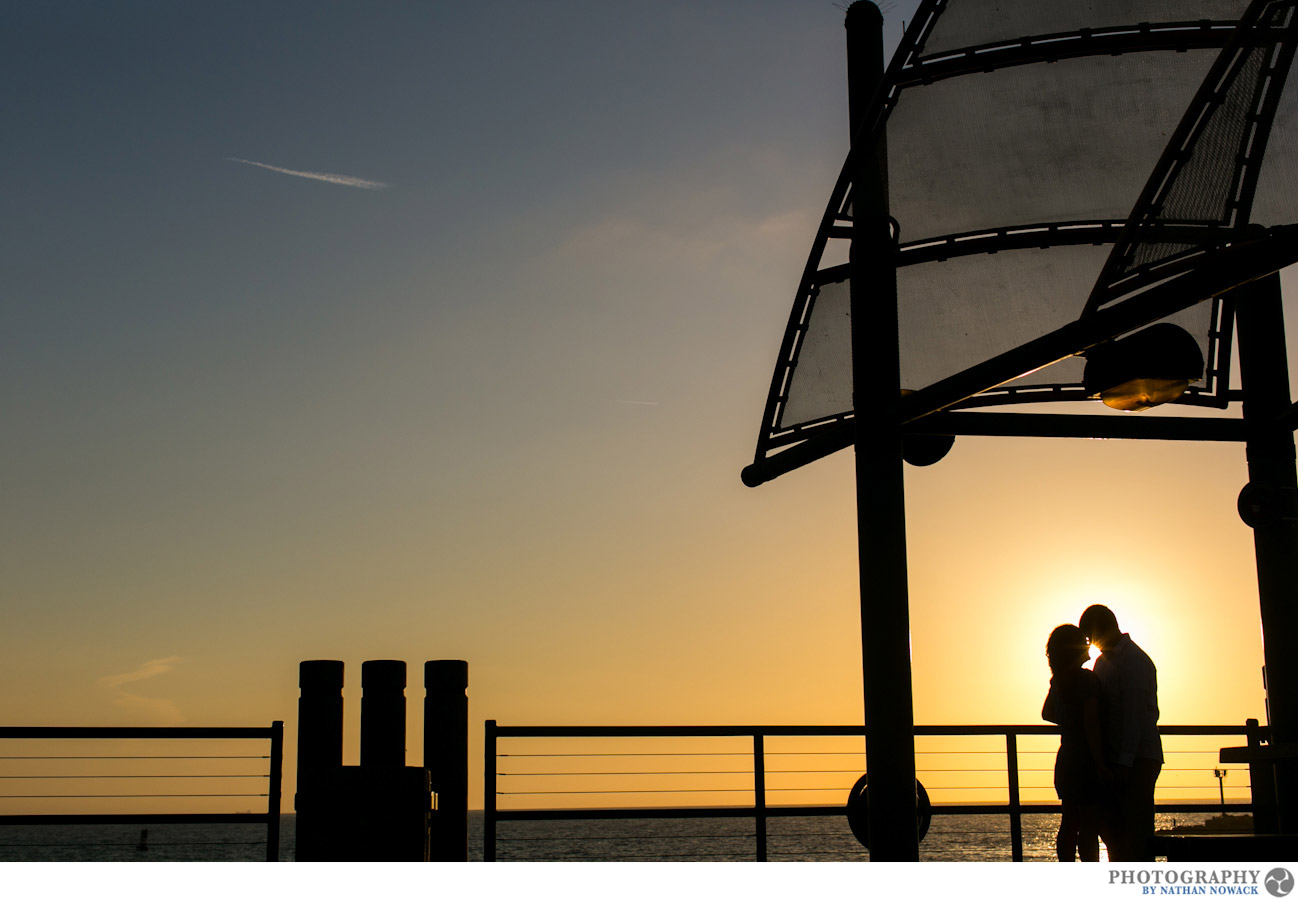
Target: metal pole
1016,811
274,790
759,794
880,492
446,755
383,712
489,793
1273,484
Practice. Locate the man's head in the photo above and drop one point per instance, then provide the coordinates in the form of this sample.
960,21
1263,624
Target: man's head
1100,626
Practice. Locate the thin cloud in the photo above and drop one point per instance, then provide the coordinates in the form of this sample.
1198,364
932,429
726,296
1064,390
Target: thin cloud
153,709
639,402
330,177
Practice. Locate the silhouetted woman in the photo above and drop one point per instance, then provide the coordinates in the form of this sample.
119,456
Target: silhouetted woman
1080,774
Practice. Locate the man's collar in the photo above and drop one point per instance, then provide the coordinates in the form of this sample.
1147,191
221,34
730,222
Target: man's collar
1123,640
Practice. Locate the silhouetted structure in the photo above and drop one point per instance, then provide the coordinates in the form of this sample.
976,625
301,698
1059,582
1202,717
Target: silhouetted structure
381,810
1047,219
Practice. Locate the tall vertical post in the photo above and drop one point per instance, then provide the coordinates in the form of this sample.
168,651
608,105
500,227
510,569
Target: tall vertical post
1273,487
446,755
489,792
1016,809
274,789
383,712
759,794
880,494
319,754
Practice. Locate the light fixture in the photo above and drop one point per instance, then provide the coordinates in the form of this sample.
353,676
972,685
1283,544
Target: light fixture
1150,367
924,449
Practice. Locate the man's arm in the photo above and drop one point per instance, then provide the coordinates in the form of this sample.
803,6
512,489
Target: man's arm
1137,697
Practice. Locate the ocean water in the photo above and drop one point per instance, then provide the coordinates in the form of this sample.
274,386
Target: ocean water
819,838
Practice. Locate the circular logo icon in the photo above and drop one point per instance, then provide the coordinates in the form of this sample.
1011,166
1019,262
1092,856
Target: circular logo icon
1279,882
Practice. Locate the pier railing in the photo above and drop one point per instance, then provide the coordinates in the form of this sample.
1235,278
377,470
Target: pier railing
769,776
115,776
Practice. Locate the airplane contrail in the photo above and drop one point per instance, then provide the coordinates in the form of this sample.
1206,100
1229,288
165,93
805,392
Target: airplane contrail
330,177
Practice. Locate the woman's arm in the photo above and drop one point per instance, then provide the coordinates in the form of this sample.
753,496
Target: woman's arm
1048,708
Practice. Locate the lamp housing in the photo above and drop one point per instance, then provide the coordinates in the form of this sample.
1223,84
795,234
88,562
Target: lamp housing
1153,366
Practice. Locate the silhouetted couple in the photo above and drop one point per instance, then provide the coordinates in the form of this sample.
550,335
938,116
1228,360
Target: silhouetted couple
1110,753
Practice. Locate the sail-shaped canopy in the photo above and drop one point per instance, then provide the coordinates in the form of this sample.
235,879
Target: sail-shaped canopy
1020,139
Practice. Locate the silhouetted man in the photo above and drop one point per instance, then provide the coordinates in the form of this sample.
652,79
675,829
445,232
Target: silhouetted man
1129,708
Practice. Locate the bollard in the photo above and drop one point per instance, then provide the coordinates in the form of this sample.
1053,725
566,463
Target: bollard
378,811
320,715
319,754
446,756
383,712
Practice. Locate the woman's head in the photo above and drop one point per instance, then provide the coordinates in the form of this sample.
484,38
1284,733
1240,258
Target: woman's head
1066,648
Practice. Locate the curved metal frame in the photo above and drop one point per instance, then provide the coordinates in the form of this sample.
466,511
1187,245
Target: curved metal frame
911,67
1263,30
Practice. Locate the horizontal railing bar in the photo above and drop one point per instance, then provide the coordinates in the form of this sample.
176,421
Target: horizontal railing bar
631,791
744,753
624,837
739,812
137,819
747,772
585,755
97,777
518,731
134,757
113,796
130,732
136,844
698,812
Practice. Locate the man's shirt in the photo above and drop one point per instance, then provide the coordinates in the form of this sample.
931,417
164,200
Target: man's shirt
1129,703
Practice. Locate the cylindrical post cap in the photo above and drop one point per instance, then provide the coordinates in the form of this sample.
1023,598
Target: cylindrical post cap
861,8
320,674
383,674
446,674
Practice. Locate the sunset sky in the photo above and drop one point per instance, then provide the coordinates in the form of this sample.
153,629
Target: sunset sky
420,331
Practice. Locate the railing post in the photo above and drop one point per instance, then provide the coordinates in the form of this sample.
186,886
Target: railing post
489,793
274,790
1016,815
759,794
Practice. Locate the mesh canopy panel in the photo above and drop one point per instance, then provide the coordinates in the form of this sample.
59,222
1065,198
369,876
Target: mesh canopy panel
1201,193
1277,189
826,349
1024,294
969,23
1005,298
1013,171
1070,140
